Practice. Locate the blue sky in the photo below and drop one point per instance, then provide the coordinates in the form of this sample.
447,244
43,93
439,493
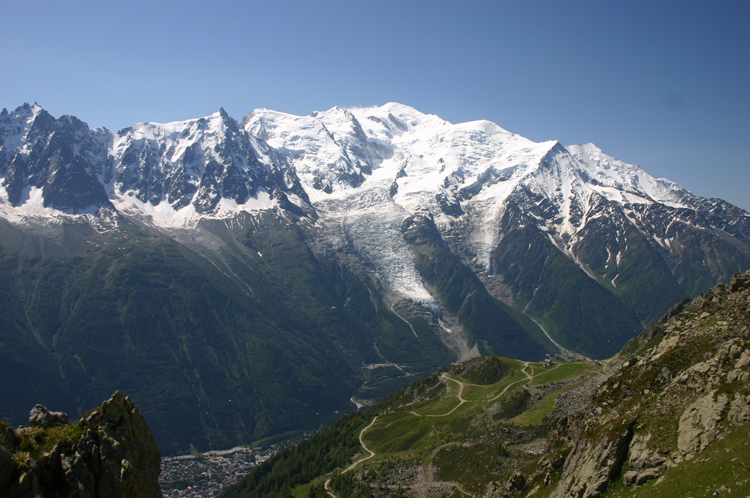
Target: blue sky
662,84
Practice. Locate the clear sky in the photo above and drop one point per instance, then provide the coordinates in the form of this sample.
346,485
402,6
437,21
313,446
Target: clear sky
663,84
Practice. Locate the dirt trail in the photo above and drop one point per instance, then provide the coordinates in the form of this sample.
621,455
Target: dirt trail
352,466
529,377
362,442
461,401
463,384
328,490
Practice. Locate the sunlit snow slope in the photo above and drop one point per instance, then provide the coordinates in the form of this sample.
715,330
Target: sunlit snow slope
368,169
528,218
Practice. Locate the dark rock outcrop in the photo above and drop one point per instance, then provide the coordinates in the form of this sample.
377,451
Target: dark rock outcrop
109,453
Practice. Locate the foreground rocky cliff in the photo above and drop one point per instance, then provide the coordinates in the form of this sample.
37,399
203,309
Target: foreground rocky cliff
676,389
109,453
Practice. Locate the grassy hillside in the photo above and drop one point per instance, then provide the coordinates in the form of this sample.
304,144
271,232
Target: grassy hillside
448,430
669,416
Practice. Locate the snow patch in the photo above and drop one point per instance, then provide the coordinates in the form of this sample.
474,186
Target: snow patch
165,215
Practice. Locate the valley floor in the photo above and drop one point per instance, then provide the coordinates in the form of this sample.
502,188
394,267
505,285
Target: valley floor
205,475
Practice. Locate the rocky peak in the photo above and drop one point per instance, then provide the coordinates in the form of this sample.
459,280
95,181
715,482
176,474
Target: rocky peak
110,452
41,417
61,157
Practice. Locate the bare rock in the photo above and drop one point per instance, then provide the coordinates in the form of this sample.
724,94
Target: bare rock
722,491
699,423
592,464
644,462
115,456
493,490
739,410
739,281
744,360
507,489
130,458
636,478
516,482
40,416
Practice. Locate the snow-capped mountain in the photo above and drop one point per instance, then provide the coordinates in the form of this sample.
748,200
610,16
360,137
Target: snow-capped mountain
50,164
173,174
363,171
352,247
367,169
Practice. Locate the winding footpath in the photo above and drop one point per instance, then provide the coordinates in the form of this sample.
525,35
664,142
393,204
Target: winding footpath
461,401
328,490
326,486
528,378
362,442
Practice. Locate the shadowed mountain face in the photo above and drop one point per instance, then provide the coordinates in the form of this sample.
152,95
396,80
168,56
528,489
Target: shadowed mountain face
219,349
243,280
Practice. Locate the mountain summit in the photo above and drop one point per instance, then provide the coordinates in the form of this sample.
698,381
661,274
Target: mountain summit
363,246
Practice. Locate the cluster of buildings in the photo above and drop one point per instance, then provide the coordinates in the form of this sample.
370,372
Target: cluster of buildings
208,474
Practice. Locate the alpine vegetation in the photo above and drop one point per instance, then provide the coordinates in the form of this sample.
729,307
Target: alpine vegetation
254,279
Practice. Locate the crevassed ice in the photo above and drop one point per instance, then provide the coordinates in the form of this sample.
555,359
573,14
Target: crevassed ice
371,222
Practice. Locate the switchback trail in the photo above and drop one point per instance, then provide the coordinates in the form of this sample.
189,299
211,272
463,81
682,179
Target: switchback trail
352,466
528,378
328,490
362,442
460,398
461,401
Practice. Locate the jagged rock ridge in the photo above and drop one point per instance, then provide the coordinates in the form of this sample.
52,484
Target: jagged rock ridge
226,253
109,453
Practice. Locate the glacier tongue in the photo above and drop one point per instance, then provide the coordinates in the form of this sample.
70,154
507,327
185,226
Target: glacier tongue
386,163
370,222
363,170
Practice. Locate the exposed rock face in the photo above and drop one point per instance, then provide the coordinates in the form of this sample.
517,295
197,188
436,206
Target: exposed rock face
42,417
130,458
739,410
513,484
676,389
593,464
62,157
699,424
71,163
109,453
644,461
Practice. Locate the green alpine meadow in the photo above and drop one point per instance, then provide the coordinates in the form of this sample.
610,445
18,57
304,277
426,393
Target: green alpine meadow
667,416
